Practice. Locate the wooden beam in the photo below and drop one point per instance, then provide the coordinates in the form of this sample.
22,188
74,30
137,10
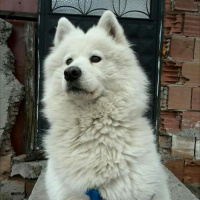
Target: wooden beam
30,62
18,15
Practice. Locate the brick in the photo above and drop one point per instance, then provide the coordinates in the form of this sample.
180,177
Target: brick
197,150
190,74
188,5
169,122
191,172
167,5
179,98
170,72
196,99
29,187
176,167
172,24
197,50
20,5
165,152
5,164
191,25
190,120
183,146
182,48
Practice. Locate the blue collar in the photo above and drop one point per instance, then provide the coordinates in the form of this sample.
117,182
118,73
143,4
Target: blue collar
93,194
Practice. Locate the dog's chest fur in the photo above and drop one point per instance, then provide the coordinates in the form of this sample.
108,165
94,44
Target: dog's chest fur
95,145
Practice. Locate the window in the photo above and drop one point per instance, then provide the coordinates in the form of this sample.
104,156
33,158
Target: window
121,8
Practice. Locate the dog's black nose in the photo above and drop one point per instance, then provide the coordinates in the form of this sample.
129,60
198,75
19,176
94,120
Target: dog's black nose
72,73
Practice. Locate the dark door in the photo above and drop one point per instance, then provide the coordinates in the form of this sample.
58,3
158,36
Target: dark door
141,20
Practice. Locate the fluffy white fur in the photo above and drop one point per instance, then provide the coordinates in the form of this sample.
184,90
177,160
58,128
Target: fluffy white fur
99,138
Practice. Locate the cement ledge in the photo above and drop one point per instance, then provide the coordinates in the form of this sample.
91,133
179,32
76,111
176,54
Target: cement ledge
178,190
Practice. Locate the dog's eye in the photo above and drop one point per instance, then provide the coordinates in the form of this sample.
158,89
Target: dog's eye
95,59
69,61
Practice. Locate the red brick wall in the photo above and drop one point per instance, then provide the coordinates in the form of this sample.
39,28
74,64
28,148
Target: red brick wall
180,92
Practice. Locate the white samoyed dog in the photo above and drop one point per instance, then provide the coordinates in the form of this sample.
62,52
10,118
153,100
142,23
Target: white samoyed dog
95,98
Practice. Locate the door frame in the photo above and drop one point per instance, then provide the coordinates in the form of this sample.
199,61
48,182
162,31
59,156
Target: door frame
157,14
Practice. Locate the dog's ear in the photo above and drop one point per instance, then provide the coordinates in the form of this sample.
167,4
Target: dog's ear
112,27
64,27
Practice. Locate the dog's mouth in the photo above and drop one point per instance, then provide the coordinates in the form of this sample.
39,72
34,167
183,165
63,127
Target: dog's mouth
77,89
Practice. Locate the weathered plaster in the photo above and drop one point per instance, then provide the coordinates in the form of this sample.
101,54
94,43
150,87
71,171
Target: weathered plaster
30,170
11,91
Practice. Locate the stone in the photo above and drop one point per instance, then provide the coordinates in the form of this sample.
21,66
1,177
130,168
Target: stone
183,147
194,188
165,141
179,98
29,170
11,187
197,150
18,196
182,48
6,147
177,189
165,152
192,133
163,97
39,191
190,120
12,92
5,196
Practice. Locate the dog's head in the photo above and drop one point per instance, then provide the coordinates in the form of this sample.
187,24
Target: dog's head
94,63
